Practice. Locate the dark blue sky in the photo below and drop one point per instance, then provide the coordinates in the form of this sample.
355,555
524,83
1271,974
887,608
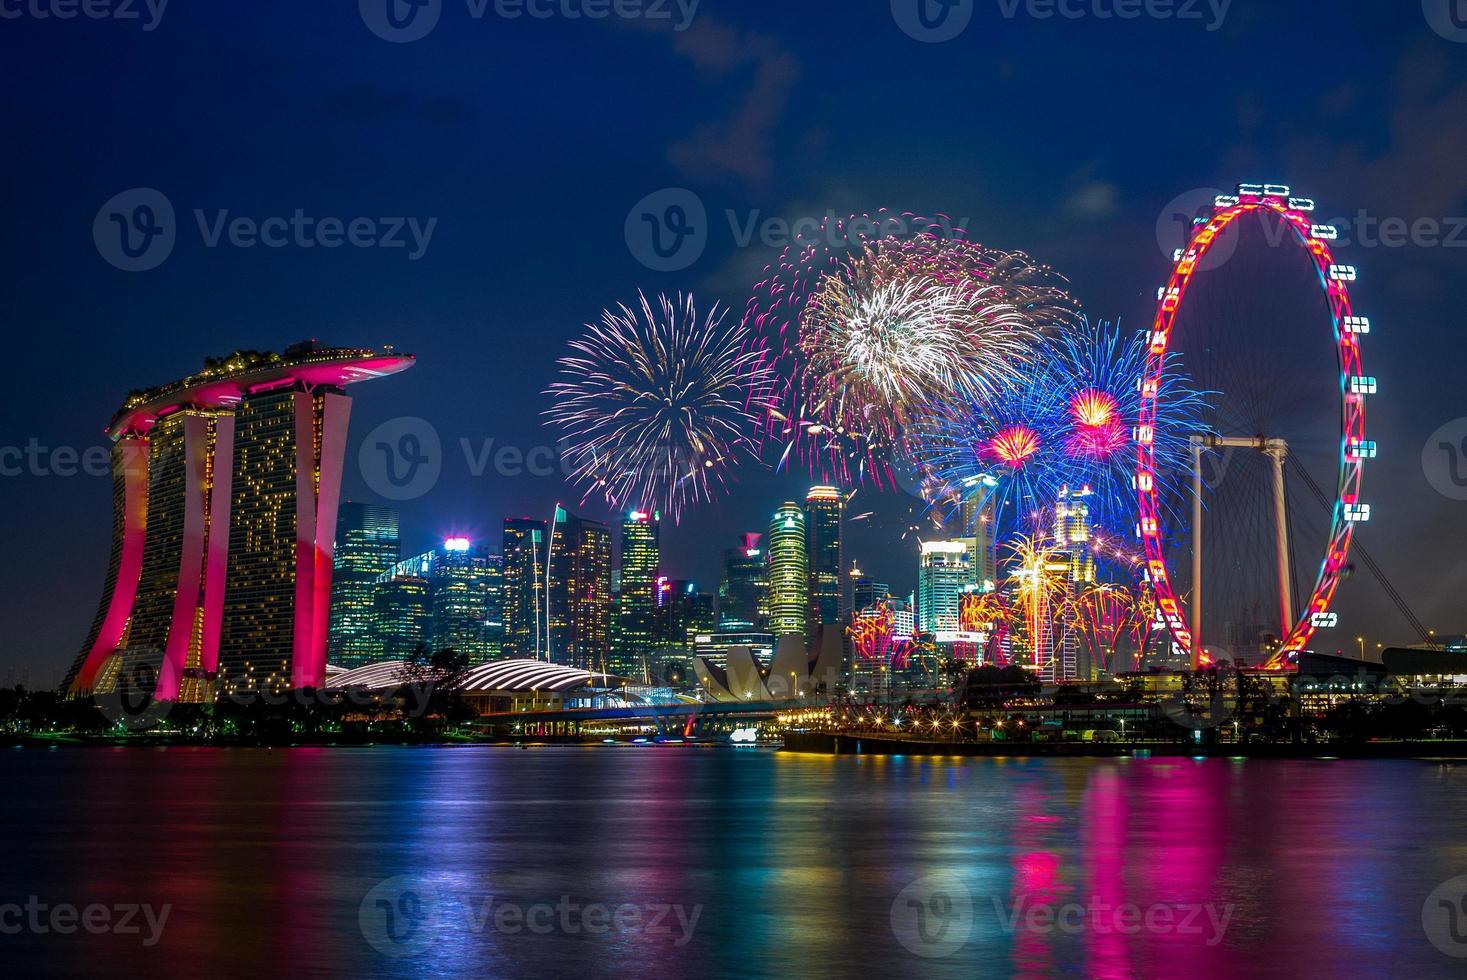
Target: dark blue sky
529,140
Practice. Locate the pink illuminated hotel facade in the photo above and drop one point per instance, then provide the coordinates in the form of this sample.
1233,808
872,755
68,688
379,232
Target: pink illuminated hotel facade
224,495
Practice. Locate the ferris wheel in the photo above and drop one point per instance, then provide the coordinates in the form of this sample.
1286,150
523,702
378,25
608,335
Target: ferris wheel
1298,621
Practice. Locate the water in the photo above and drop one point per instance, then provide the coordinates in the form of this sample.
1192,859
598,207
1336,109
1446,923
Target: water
735,863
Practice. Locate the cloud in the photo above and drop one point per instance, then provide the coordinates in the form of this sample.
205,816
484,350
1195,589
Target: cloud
1096,199
740,145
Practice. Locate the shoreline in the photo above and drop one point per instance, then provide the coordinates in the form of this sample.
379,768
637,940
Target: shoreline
831,743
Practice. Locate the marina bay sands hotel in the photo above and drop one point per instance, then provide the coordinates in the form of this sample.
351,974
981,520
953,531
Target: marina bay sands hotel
224,495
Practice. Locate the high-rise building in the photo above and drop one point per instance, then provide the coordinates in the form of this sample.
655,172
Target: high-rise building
789,572
743,591
641,555
683,614
944,573
580,592
525,559
367,544
462,582
866,592
230,475
824,514
403,609
975,525
1072,532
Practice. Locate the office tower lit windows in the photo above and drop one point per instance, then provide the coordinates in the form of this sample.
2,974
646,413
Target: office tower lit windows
402,608
525,557
866,592
824,514
461,583
944,573
367,544
641,557
580,592
789,571
743,591
229,475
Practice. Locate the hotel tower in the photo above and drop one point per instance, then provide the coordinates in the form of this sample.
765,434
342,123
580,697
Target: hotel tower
224,494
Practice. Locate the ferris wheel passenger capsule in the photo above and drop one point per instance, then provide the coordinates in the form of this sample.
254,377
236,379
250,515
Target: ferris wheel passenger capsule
1300,204
1327,233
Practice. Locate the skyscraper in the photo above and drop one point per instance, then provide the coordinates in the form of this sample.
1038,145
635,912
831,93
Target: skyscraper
944,573
789,571
367,544
866,592
641,555
580,592
524,588
683,613
229,475
461,583
743,591
402,609
975,525
824,513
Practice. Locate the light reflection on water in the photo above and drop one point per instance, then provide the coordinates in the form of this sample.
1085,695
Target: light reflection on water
778,864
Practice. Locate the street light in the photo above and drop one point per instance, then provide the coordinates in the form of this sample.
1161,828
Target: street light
1361,640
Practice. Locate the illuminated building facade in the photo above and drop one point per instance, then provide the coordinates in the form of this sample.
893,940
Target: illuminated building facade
403,613
944,573
367,544
641,556
463,583
225,490
789,572
580,592
866,592
743,590
683,614
824,515
524,588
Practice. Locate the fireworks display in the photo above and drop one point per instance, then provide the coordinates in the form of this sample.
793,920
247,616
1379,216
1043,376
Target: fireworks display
874,316
656,404
1069,424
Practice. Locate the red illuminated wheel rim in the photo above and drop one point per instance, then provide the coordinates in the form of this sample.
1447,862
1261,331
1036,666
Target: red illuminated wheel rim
1355,386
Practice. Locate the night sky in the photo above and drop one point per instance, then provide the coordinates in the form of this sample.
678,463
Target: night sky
528,142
